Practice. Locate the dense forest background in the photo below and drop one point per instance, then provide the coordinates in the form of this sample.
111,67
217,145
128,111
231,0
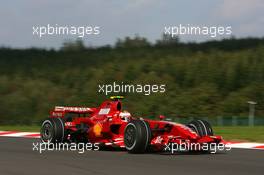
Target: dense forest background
213,78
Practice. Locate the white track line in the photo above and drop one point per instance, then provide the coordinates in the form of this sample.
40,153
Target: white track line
244,145
19,134
247,145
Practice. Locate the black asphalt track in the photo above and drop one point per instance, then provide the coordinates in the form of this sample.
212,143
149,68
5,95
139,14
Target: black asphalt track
18,158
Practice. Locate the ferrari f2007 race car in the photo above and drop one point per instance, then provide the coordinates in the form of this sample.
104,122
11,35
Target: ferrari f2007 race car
109,126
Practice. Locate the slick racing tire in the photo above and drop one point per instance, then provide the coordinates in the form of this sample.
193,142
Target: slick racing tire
137,136
52,130
201,127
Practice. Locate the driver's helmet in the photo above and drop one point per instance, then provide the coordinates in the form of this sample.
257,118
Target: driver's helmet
125,115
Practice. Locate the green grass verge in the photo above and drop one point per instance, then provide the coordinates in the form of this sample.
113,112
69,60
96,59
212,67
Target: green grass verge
236,133
241,133
32,128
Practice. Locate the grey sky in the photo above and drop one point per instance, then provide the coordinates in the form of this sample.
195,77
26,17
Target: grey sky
119,18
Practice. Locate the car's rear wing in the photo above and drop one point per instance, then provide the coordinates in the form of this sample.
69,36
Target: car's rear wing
74,109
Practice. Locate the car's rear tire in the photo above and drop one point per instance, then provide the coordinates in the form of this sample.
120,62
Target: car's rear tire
137,136
52,130
201,127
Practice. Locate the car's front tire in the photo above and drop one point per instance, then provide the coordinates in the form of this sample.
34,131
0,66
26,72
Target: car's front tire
201,127
137,136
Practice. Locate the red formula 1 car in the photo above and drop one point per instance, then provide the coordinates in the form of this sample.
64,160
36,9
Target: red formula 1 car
108,125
